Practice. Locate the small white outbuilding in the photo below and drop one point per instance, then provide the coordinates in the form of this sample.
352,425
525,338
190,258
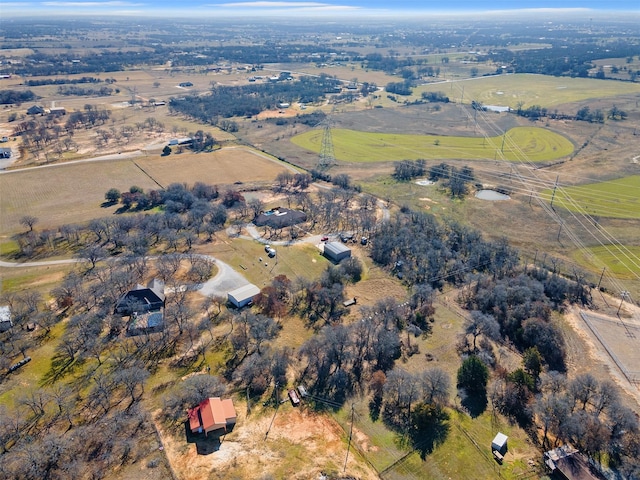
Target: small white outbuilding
499,443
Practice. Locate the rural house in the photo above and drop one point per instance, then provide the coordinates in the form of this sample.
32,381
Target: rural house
142,299
336,251
35,110
5,318
212,414
242,296
280,217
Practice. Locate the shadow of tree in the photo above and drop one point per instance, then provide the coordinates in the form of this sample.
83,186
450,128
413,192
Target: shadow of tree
475,403
61,365
430,428
375,405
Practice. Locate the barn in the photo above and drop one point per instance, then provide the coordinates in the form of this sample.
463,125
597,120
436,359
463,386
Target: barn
336,251
242,296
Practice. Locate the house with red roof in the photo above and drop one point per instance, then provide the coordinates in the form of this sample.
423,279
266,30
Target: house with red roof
212,414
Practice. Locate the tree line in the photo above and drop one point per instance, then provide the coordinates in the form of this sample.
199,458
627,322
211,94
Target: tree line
230,101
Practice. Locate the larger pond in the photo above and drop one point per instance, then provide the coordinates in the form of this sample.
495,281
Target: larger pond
491,195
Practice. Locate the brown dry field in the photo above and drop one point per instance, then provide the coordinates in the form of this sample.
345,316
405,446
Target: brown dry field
73,192
222,167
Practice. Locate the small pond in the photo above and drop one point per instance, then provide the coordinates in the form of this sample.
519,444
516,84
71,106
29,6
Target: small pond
491,195
424,182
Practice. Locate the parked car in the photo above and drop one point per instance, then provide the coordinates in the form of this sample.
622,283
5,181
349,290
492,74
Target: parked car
324,239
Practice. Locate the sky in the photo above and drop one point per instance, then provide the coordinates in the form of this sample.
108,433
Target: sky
347,8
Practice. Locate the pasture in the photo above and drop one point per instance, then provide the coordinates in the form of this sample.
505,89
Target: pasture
536,144
73,192
621,261
530,89
613,199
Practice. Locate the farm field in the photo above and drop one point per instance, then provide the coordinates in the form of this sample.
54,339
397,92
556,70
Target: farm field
221,167
65,193
613,199
542,90
534,143
619,260
73,192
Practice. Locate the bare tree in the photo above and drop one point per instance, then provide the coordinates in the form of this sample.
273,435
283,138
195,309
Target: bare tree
435,384
28,221
478,324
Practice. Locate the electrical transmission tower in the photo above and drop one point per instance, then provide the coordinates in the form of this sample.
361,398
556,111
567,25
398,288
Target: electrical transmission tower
327,157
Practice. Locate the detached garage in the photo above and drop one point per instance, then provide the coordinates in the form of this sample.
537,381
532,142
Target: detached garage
242,296
336,251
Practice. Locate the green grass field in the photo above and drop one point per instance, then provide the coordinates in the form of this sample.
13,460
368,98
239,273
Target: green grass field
536,144
618,198
465,452
545,91
620,261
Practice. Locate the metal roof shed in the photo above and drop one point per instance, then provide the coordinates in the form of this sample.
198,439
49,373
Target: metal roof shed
336,251
499,443
243,296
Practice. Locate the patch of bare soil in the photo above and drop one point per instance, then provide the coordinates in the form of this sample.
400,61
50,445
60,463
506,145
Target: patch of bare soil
299,445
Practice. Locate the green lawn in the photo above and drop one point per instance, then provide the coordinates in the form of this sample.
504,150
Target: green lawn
543,90
534,143
465,453
614,199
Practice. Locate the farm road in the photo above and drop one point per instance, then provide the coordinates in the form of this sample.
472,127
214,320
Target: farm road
143,152
226,279
44,263
254,234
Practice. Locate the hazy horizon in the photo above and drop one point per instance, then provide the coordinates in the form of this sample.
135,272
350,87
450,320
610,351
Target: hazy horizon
337,8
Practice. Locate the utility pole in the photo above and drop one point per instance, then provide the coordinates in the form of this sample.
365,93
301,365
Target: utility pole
553,195
560,230
600,281
349,444
623,294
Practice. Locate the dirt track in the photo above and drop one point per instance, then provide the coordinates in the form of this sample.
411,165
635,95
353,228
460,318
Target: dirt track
597,352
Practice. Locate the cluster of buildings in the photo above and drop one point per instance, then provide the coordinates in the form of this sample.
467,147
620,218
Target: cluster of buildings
40,110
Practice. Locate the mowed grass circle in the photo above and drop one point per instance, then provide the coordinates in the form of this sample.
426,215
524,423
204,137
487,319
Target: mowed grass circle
522,144
618,198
